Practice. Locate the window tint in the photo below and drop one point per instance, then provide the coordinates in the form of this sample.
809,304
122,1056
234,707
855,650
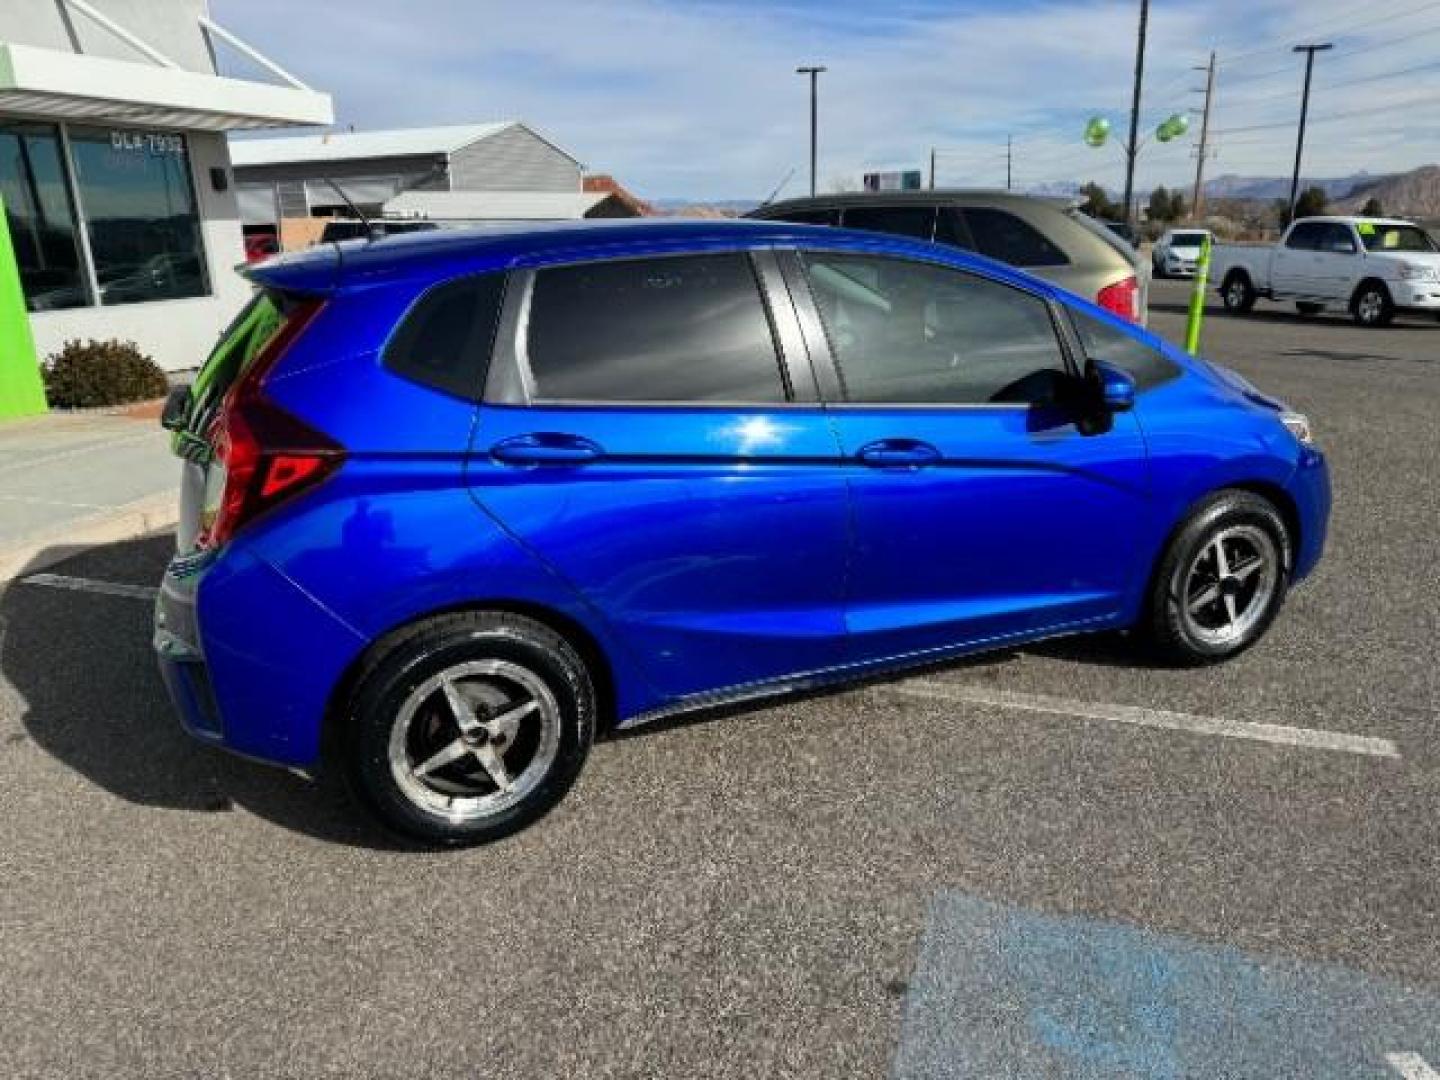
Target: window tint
1336,238
41,219
1003,236
1305,236
687,328
1101,341
809,217
916,221
446,338
914,332
950,229
140,214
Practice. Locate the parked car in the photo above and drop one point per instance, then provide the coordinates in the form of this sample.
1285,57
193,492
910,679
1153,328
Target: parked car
468,496
1370,267
1177,252
1048,237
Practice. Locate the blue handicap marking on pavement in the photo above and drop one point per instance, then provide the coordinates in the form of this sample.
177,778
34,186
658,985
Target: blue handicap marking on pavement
1003,992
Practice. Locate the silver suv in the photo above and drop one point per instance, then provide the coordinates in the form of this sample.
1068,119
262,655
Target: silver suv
1048,237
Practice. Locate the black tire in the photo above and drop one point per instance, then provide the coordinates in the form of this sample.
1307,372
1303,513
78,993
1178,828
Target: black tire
1177,628
1371,306
1306,308
554,737
1237,293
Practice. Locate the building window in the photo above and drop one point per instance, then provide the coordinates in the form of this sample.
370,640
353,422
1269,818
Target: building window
139,210
41,217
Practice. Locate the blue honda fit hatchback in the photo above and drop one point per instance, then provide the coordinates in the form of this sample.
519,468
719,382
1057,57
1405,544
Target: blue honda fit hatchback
453,500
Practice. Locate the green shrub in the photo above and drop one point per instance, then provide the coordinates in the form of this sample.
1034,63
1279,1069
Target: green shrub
98,374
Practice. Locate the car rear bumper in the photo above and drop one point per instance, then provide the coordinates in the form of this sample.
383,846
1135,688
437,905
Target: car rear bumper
249,660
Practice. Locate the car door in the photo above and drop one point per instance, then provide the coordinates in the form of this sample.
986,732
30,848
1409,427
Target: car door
1334,262
652,431
1293,265
980,508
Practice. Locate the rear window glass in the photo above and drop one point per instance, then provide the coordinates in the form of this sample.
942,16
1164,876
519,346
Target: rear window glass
681,328
1101,341
1003,236
239,344
445,340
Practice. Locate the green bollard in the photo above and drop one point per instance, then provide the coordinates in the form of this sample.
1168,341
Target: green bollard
1197,299
22,391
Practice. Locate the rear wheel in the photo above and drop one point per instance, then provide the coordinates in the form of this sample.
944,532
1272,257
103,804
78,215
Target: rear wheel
1221,581
1237,293
1372,305
469,727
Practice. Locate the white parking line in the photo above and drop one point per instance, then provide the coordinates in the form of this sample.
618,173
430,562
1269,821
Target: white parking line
80,584
1310,738
1411,1066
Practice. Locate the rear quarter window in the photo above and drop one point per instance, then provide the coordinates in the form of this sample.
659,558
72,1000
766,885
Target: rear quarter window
1009,238
444,340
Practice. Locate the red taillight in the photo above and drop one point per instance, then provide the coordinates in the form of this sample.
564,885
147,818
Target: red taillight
262,454
1123,298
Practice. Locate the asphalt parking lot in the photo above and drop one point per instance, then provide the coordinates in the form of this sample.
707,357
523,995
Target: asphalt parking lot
1056,861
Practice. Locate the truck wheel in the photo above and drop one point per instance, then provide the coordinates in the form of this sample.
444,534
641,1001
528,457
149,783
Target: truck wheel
1237,293
1306,308
1372,305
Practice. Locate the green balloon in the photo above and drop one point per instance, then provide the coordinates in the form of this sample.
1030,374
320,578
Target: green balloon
1181,122
1097,130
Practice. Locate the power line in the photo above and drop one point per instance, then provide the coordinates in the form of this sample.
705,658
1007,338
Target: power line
1369,111
1335,30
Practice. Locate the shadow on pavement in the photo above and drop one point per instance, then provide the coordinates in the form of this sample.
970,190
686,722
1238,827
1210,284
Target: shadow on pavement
93,699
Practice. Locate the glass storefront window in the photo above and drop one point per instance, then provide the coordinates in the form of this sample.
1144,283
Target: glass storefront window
139,209
40,216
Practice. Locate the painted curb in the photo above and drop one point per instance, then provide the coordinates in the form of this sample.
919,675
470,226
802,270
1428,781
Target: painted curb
153,513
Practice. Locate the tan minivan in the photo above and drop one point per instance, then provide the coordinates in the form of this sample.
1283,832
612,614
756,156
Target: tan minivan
1048,237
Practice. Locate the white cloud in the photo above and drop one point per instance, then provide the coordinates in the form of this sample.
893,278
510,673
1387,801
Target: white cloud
700,99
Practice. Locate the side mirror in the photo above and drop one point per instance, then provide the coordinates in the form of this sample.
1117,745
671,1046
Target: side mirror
1116,387
176,413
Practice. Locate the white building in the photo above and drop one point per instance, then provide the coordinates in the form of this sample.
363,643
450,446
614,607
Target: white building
115,172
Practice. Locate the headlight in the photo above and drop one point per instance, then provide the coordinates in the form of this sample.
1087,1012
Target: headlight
1298,424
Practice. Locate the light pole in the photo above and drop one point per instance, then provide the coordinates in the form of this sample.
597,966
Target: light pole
1132,148
813,71
1309,51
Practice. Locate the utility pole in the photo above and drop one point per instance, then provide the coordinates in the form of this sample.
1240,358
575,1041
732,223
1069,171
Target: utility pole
813,71
1309,51
1132,148
1199,194
932,168
1009,155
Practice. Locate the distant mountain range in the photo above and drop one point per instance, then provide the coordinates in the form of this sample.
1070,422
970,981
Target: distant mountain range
1409,194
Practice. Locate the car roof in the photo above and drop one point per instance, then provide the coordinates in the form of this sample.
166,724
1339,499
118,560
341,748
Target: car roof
1353,219
441,253
924,196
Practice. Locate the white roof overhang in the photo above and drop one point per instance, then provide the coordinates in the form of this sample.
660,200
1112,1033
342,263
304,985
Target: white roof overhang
68,86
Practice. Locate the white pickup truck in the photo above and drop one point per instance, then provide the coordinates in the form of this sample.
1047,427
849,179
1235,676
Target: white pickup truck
1370,267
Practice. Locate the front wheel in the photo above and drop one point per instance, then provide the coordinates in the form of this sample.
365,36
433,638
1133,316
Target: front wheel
1372,305
469,727
1221,581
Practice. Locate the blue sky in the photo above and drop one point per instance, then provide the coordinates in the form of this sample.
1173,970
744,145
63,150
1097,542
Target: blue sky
698,98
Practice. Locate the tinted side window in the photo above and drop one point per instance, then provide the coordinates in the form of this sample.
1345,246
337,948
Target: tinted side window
687,328
809,217
1003,236
914,332
445,339
1101,341
950,229
1304,237
916,221
1337,238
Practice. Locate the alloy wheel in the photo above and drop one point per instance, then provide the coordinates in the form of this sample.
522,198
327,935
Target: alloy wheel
1370,306
1229,584
474,739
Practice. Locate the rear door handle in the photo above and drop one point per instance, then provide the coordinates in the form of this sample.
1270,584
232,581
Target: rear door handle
898,453
546,448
